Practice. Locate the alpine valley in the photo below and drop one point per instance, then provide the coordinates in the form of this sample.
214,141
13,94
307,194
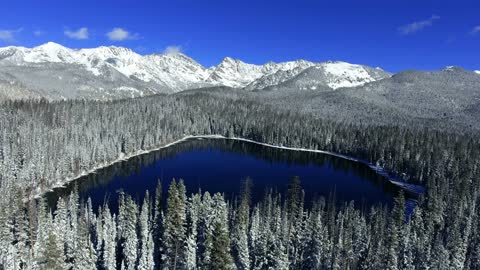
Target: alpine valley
114,160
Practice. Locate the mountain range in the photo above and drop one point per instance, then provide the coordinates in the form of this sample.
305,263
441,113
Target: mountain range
445,98
53,71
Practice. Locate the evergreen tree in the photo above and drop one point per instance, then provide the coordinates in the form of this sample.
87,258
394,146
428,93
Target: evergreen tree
85,255
109,240
157,228
130,244
146,261
193,211
205,231
72,227
395,232
53,259
174,237
240,248
220,255
295,200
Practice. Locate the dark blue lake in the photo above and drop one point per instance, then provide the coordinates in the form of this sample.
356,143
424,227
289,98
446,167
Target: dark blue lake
219,165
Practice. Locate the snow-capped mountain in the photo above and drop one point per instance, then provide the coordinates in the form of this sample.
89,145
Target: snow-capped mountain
174,71
328,75
54,71
235,73
477,71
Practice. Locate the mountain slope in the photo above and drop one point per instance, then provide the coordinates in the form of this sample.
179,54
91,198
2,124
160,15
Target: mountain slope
448,98
332,75
56,72
431,94
237,74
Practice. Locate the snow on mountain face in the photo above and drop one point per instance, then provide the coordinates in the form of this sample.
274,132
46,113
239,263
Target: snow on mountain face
273,79
342,74
167,72
175,66
235,73
477,71
315,76
175,71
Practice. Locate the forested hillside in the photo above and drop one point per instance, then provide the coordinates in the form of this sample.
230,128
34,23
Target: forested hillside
43,144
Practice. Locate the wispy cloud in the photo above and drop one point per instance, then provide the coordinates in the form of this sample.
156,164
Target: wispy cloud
39,33
417,26
8,36
120,34
173,49
81,33
475,30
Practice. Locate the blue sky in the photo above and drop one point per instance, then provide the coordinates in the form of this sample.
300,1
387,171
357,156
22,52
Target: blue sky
392,34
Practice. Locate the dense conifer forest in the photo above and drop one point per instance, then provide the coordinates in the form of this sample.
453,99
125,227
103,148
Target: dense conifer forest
43,144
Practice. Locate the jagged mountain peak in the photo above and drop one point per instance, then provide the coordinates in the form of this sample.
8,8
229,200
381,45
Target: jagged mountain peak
112,49
50,46
172,57
173,71
231,60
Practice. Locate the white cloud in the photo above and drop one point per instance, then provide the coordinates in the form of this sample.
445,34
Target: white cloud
39,33
81,33
8,35
417,26
475,30
174,49
119,34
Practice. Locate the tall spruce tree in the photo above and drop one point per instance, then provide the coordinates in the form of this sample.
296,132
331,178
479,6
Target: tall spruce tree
146,261
240,247
174,237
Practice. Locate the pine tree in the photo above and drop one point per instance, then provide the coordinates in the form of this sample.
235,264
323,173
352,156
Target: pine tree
221,258
85,255
72,227
7,248
54,259
220,254
174,238
108,239
130,244
22,238
295,200
157,230
121,225
240,248
395,231
44,223
440,258
205,231
60,223
314,239
146,261
193,211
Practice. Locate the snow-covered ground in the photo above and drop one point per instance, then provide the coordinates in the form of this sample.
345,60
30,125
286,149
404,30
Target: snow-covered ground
344,74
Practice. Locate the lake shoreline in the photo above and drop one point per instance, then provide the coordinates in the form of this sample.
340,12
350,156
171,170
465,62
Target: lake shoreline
415,189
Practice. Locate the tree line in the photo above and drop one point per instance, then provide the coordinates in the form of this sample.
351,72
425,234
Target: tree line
204,231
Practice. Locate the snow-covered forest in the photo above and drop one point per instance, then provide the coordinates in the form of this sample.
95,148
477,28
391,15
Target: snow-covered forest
44,144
